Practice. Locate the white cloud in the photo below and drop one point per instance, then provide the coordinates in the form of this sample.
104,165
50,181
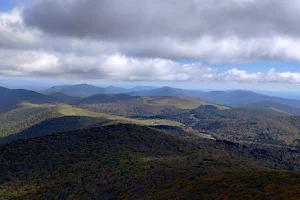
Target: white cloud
120,67
219,31
114,67
13,32
27,51
235,75
283,77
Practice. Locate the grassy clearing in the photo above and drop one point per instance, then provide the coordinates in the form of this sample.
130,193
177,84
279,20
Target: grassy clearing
157,122
68,110
179,102
33,105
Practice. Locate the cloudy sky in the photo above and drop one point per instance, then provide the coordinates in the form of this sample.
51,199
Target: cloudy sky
205,44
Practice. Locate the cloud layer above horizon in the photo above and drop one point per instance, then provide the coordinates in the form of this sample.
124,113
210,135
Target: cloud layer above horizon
134,41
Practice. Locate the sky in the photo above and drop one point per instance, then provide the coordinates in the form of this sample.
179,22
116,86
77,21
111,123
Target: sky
196,44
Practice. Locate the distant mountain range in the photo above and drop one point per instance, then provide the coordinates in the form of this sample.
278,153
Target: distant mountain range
11,97
168,91
242,98
85,90
235,98
84,93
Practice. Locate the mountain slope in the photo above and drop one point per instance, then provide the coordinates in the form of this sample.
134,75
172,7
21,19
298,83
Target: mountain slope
274,105
134,162
245,125
56,125
19,119
59,97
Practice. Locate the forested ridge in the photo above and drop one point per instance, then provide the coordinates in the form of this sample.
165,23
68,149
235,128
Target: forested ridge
134,162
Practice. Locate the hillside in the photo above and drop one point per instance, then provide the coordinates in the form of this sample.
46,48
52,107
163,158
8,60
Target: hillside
142,107
55,125
24,117
31,119
244,125
275,106
134,162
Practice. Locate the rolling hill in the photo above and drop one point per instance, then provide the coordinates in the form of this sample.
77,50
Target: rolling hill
24,117
141,107
245,125
51,118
